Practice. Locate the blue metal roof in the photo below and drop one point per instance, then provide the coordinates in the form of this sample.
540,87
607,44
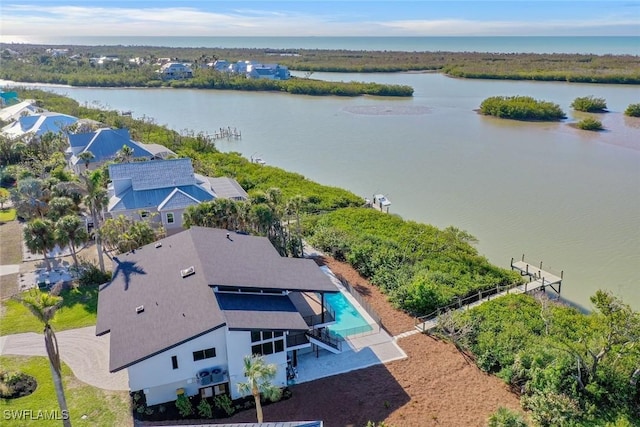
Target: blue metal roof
105,143
153,198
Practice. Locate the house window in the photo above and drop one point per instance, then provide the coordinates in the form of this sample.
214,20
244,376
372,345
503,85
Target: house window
144,214
204,354
174,362
267,342
170,218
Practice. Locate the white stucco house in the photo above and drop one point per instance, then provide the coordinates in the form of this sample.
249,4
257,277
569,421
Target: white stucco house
159,190
175,70
183,312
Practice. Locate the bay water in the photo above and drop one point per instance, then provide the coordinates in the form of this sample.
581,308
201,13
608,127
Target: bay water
556,194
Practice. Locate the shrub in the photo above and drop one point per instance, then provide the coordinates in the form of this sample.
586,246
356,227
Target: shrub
184,405
224,403
204,409
552,409
589,104
589,124
16,384
505,417
633,110
89,274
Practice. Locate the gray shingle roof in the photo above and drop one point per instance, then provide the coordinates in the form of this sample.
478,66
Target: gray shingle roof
177,309
155,174
227,188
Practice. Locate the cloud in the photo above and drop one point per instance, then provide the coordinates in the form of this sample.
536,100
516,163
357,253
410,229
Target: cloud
44,21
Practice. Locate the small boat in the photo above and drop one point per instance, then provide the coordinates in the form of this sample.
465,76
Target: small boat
381,202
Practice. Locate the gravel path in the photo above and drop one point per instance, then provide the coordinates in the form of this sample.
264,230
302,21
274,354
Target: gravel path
86,355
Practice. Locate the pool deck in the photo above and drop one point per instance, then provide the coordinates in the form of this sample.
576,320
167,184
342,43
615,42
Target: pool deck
364,350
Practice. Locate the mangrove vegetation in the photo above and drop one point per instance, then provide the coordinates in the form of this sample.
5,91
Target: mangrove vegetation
521,108
589,104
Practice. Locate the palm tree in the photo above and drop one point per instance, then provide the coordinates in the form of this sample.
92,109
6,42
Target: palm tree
259,375
294,206
70,230
86,157
39,237
125,155
59,207
96,200
43,306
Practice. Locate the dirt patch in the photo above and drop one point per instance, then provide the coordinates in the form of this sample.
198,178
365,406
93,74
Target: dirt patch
8,286
435,386
11,247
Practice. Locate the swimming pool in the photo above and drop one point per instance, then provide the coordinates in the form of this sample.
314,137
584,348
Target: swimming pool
348,320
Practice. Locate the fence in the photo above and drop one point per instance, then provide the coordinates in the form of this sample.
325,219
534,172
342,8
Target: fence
363,303
461,302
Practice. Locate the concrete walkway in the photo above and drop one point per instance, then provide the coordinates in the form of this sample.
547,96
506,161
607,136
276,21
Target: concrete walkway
86,355
7,269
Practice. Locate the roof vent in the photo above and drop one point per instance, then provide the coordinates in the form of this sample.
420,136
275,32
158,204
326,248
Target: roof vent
187,271
139,309
158,245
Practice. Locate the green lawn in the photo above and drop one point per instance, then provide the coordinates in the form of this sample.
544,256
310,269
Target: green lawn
98,407
7,214
79,309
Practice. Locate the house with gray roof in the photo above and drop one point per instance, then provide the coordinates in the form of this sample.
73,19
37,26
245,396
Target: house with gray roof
224,187
104,144
157,190
183,312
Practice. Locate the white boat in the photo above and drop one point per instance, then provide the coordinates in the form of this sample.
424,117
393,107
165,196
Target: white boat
381,202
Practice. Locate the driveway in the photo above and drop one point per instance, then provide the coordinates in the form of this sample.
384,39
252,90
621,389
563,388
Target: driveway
86,355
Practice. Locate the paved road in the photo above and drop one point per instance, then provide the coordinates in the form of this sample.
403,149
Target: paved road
86,355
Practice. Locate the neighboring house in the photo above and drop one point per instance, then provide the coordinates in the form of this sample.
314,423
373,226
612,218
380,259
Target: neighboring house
24,108
39,124
219,65
159,151
268,71
8,98
139,190
224,187
183,312
253,69
104,144
176,70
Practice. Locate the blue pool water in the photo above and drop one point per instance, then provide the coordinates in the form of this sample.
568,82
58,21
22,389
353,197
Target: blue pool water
348,319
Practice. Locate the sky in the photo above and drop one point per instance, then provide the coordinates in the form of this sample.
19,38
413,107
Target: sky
36,20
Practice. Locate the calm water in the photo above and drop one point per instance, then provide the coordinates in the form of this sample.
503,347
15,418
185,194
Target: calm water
348,319
566,197
582,44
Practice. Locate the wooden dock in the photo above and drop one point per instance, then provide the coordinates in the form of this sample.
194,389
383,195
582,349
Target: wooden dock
535,272
538,279
226,133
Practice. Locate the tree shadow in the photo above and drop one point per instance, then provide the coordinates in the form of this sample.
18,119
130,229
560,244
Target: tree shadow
362,290
126,269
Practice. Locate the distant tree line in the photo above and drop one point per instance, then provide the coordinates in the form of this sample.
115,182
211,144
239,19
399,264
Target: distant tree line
583,68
